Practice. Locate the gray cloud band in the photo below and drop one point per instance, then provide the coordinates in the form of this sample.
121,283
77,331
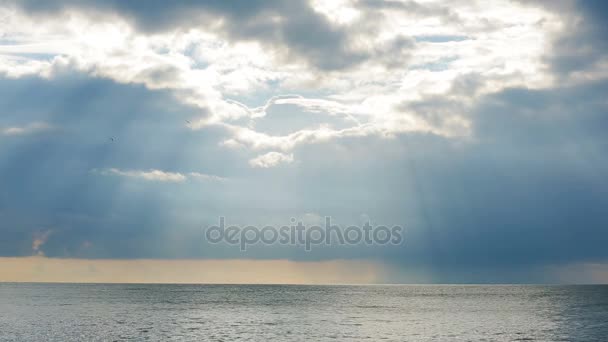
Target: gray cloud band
298,234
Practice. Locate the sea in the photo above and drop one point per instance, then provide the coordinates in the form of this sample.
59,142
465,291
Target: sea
115,312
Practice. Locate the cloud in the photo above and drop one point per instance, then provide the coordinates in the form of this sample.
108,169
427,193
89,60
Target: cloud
445,191
157,175
413,8
490,150
277,24
578,51
31,128
40,238
362,70
271,159
202,176
151,175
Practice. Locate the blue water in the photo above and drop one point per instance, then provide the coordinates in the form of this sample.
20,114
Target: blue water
45,312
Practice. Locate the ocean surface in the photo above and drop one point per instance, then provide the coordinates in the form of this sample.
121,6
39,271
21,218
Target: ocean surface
76,312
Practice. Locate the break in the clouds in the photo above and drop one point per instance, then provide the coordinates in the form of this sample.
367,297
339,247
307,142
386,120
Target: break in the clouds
126,127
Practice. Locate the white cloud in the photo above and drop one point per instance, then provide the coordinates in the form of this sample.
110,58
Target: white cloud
157,175
40,238
30,128
232,80
271,159
151,175
205,177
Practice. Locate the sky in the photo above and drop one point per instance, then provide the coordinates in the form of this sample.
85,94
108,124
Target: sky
479,127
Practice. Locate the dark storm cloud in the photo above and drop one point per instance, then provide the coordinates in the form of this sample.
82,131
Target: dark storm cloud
528,190
289,26
584,40
47,183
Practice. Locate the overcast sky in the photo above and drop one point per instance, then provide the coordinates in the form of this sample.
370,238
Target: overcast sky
126,127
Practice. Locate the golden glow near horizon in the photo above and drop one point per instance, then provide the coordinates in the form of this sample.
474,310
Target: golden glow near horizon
42,269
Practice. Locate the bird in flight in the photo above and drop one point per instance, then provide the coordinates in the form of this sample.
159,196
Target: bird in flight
112,139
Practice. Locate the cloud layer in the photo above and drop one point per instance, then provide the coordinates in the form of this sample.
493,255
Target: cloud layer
126,127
